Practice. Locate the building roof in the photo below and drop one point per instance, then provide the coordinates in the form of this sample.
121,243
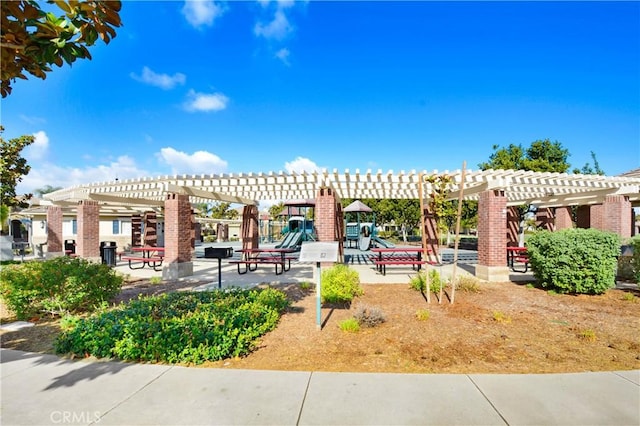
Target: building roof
543,189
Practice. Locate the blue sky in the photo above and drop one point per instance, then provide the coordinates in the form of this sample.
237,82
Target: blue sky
230,87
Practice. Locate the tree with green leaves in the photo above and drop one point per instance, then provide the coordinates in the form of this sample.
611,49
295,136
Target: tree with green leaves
223,210
47,189
12,168
275,210
541,156
588,170
34,38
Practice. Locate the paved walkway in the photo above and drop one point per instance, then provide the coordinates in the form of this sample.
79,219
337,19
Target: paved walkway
44,389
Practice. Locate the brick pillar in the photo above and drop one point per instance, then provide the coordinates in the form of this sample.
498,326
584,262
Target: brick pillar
583,217
513,226
250,228
177,237
88,244
633,223
597,217
136,230
617,215
54,230
544,219
492,236
563,218
431,234
327,219
150,237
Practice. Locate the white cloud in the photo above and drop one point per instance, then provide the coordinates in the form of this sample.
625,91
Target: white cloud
201,13
39,148
51,174
198,162
283,55
163,81
205,101
301,164
276,29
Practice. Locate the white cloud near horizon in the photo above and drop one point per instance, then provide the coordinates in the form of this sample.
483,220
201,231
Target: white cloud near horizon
163,81
277,29
198,162
200,13
301,164
205,102
38,149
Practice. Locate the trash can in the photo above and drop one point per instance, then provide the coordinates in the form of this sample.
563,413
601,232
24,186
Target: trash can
108,252
69,246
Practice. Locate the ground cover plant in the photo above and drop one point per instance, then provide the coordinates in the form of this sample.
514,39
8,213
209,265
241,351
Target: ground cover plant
57,286
180,327
340,284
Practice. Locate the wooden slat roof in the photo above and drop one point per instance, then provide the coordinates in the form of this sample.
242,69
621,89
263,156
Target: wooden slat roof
520,186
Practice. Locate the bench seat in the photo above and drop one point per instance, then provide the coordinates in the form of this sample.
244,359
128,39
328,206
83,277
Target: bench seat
252,264
381,265
154,262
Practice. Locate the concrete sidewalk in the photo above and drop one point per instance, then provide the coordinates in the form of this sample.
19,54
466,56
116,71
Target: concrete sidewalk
44,389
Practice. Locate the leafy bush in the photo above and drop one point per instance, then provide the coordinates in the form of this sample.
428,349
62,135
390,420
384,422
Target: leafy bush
369,316
57,286
340,284
423,314
350,325
635,259
419,281
181,327
468,283
574,260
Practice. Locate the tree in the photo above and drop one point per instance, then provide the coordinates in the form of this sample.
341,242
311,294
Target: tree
541,156
34,39
223,211
12,168
588,170
45,190
275,210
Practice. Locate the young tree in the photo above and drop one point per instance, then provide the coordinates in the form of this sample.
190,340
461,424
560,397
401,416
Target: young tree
33,39
12,168
45,190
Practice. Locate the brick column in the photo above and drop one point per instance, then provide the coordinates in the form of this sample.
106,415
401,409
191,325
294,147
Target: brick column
431,234
544,219
513,226
250,228
327,219
54,231
583,217
617,215
563,218
177,237
88,244
492,236
596,213
136,230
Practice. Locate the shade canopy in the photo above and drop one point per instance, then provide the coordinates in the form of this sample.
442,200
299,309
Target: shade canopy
357,207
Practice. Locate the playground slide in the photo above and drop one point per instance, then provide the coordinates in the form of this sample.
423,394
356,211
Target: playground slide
364,242
292,239
383,243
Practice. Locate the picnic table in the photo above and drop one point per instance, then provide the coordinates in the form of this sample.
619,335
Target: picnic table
517,255
253,257
398,256
149,256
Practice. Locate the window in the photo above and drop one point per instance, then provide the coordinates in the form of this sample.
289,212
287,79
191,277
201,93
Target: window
116,227
74,226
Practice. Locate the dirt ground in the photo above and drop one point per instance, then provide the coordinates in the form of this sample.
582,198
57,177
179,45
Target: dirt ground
504,328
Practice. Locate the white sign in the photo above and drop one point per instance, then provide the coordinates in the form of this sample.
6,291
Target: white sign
319,252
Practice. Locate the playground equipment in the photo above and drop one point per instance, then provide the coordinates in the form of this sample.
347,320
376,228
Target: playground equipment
364,234
299,228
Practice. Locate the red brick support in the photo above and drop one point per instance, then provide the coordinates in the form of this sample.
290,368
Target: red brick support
492,236
150,237
54,229
513,226
563,218
250,227
597,217
617,215
544,219
583,217
88,243
431,234
136,230
328,218
177,237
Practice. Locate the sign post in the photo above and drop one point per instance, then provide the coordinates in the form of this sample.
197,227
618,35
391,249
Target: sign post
319,252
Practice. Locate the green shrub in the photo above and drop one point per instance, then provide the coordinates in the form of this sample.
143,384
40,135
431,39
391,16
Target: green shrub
635,259
350,325
57,286
580,261
180,327
369,316
340,284
423,314
468,283
419,281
